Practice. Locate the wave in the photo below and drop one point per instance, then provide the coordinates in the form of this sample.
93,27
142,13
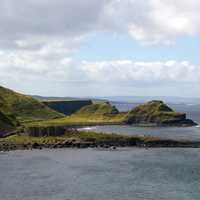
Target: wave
87,128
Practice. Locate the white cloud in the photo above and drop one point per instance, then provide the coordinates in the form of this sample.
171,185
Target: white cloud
67,69
154,21
39,37
30,24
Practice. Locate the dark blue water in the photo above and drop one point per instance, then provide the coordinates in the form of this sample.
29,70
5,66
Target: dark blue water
124,174
184,133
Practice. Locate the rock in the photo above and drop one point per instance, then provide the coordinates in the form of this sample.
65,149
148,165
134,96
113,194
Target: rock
35,145
45,131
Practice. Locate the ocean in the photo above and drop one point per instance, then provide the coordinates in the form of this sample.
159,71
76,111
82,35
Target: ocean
89,174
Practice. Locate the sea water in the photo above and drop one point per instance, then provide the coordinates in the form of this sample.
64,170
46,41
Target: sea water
89,174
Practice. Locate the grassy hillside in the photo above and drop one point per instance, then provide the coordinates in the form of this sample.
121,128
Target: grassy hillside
98,109
99,113
154,112
24,108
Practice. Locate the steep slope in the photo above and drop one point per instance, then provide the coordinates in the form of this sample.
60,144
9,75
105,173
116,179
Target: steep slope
24,108
7,123
156,112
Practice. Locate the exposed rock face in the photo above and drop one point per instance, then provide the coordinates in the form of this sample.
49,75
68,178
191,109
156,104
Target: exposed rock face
45,131
67,107
157,113
98,109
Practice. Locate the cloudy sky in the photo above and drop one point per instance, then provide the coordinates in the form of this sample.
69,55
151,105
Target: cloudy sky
100,47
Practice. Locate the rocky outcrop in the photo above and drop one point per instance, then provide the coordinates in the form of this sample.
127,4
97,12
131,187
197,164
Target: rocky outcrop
157,113
67,107
45,131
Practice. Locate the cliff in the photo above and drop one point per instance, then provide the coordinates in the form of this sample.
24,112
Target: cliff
67,107
157,113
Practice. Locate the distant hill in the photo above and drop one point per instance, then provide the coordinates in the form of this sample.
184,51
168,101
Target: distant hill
24,108
142,99
42,98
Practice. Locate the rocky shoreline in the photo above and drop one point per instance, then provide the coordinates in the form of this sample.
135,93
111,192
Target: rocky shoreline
76,143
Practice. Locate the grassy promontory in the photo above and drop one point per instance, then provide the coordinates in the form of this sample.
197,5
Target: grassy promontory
157,113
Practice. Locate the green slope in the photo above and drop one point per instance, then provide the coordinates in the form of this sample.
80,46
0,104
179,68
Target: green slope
98,109
98,113
24,108
156,112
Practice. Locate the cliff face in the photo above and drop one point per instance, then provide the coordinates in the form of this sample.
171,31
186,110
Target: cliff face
157,113
67,107
45,131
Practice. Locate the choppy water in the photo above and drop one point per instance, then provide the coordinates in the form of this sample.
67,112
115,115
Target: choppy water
188,133
124,174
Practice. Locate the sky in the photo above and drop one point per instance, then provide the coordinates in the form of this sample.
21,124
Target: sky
84,48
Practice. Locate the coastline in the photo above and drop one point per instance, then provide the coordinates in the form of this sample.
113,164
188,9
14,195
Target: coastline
80,140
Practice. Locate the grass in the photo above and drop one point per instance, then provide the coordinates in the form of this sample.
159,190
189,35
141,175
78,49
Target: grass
80,120
99,113
82,136
24,108
98,109
153,111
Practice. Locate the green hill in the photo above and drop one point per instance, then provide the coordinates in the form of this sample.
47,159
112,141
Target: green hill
98,109
24,108
156,112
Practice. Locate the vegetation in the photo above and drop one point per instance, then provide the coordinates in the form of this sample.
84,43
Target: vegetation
79,121
74,135
99,113
20,109
97,109
153,112
7,123
24,108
